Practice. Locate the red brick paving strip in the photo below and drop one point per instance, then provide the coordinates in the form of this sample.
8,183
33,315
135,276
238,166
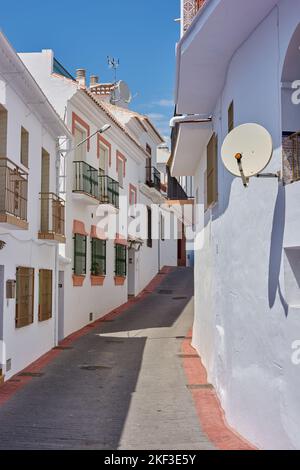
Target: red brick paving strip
9,388
209,410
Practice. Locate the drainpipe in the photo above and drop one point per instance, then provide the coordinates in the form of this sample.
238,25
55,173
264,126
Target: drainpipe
190,118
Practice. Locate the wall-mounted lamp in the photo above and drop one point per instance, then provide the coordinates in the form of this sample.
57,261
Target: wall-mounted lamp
2,244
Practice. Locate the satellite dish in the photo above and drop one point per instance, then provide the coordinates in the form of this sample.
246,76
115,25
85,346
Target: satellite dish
122,92
247,150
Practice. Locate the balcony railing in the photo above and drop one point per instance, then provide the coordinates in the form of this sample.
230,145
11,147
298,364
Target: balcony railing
291,157
175,190
109,190
153,178
13,191
52,217
86,179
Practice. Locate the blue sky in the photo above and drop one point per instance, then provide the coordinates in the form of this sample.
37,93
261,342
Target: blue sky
141,33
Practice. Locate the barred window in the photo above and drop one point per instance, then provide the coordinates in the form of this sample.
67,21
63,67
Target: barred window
231,117
80,255
121,261
45,295
98,264
24,297
212,171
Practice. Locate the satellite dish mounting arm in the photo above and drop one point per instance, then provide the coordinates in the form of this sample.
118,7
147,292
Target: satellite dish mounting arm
245,180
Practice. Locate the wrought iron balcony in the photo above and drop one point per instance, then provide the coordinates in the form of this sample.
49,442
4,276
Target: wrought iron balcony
13,194
109,190
153,178
52,218
86,180
175,190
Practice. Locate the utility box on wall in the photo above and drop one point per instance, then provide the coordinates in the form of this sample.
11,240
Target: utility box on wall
11,289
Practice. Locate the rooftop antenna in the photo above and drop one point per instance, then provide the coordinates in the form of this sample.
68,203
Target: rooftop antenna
113,64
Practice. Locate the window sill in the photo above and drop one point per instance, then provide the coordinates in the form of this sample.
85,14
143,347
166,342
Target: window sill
120,280
97,280
78,280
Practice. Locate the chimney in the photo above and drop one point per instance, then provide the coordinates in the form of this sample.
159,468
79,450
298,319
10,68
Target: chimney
94,80
80,77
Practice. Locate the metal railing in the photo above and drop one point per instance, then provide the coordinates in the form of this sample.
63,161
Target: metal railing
86,179
109,190
153,177
52,214
291,157
175,190
13,189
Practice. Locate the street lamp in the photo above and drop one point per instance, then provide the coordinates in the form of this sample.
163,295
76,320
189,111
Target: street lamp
99,131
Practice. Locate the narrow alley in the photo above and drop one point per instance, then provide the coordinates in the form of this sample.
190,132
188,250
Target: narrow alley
121,386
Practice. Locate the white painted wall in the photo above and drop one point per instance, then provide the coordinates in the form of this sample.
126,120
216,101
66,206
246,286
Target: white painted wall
244,327
23,248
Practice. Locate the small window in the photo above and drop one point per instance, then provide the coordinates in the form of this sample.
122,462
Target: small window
212,171
148,149
120,174
98,262
24,147
45,295
24,297
80,255
149,239
231,117
121,261
3,131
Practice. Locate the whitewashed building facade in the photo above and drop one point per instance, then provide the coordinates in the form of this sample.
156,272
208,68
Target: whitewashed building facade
31,216
238,62
98,273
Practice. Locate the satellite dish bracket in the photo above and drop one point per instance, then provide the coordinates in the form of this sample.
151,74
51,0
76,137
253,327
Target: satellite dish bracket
245,180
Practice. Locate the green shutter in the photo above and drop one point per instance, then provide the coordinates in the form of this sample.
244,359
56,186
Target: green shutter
80,255
98,264
121,261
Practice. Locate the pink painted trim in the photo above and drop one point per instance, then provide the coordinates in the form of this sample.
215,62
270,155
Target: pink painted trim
208,407
121,159
120,240
98,233
79,228
82,123
132,189
107,144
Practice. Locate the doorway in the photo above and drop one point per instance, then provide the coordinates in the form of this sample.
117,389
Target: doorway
131,272
61,302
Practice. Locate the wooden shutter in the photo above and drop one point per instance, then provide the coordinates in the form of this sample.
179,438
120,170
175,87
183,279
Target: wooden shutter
24,147
212,171
45,295
24,297
3,132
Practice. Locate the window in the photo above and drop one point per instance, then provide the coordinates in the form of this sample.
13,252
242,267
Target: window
24,147
212,171
231,117
80,255
103,159
45,295
80,151
98,262
149,164
132,195
149,239
121,260
3,131
24,297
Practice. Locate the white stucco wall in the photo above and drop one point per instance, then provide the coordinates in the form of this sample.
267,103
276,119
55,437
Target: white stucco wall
244,327
23,248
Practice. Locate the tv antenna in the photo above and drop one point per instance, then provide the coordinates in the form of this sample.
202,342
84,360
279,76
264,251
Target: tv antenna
113,64
246,152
